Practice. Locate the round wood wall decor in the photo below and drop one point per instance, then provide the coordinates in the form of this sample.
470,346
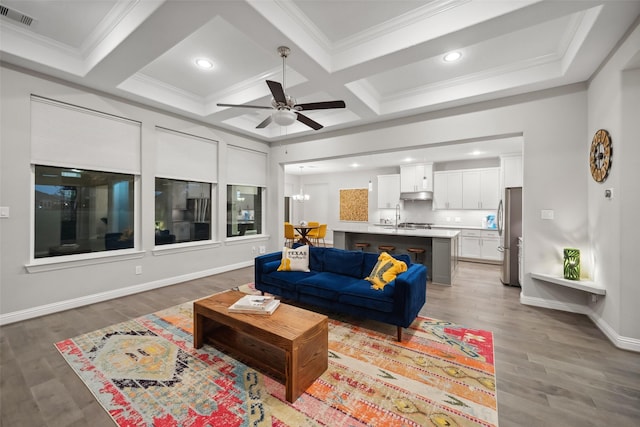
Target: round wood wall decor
600,155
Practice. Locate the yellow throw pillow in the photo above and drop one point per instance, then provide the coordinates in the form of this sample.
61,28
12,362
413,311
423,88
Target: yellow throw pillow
295,259
385,271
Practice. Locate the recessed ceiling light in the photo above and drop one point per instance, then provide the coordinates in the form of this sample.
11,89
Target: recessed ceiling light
475,153
452,56
355,165
204,63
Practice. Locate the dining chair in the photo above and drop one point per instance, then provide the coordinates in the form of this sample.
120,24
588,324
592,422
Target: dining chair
313,234
322,232
290,234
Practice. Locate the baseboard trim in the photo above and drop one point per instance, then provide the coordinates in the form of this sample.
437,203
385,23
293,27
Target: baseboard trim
30,313
624,343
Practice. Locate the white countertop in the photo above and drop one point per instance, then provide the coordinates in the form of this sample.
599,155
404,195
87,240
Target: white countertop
464,227
447,226
391,231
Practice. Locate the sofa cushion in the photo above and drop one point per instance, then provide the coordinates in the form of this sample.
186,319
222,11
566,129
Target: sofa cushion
285,279
295,259
385,271
326,285
361,294
348,263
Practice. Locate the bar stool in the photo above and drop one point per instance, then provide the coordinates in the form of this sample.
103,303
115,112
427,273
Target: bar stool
415,252
362,245
386,248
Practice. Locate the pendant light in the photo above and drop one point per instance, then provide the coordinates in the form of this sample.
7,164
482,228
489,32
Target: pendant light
301,196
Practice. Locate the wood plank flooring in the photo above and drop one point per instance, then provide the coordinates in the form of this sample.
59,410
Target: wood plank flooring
553,368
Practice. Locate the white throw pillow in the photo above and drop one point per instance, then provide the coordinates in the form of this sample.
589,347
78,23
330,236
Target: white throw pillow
295,259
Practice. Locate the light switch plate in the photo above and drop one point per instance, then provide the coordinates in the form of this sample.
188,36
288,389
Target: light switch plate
546,214
4,211
608,193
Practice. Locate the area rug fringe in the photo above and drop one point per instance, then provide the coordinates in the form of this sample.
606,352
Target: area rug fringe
145,372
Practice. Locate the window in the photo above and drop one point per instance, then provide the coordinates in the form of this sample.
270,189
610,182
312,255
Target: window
81,211
244,210
183,211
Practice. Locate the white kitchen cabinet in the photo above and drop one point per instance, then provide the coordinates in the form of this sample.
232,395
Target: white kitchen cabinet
490,245
470,245
447,190
388,191
418,177
480,245
481,188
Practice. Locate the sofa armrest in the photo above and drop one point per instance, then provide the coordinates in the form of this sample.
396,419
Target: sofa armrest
260,262
410,293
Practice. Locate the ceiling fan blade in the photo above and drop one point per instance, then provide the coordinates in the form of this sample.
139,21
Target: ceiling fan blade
277,91
245,106
320,105
265,122
307,121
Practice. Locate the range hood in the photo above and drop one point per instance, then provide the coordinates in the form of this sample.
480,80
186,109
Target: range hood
417,195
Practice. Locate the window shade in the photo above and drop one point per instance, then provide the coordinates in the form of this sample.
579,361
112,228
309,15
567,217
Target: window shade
70,136
187,157
246,167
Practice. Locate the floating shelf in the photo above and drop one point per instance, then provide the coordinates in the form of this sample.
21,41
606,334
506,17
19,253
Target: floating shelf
583,285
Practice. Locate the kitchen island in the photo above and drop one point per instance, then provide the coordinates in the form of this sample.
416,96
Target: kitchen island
441,246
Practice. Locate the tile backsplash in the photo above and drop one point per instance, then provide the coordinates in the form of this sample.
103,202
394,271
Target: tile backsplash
421,211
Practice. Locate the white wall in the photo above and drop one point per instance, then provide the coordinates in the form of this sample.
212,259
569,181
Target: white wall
614,105
27,290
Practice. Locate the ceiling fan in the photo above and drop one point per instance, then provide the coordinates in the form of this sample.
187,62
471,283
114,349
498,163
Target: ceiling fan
286,110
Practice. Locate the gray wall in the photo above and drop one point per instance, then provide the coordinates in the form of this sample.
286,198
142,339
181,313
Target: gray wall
614,105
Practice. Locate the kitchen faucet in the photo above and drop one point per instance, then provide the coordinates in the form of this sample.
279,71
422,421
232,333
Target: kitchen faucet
397,214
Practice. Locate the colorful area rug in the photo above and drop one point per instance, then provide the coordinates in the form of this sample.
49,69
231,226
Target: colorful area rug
145,372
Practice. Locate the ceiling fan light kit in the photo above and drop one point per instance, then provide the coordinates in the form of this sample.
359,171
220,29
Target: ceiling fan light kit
286,110
284,117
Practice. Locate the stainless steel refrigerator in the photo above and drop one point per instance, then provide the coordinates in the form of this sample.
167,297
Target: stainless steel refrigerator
510,228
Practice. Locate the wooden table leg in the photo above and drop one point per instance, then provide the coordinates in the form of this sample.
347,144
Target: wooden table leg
198,326
291,376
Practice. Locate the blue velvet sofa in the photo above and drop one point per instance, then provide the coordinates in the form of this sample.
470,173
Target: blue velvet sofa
336,282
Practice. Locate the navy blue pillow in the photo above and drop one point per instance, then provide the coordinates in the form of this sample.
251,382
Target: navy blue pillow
348,263
316,258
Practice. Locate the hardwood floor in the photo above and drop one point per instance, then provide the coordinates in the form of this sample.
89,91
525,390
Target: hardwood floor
553,368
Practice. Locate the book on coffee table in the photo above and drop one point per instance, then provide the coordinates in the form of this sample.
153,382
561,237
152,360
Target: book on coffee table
255,304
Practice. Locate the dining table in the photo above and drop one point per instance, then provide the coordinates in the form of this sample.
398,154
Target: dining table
304,231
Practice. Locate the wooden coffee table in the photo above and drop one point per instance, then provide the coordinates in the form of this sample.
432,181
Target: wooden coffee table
290,345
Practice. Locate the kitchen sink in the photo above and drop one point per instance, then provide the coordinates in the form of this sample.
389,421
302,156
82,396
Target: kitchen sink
400,228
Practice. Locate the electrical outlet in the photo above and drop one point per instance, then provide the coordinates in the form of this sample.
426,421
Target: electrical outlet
263,249
457,219
546,214
138,269
254,250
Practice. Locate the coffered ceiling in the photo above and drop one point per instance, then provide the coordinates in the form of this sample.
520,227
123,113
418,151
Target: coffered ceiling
384,58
